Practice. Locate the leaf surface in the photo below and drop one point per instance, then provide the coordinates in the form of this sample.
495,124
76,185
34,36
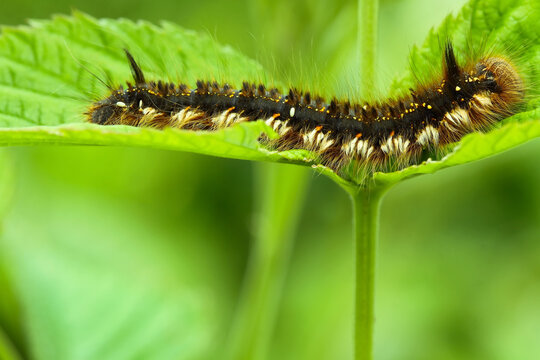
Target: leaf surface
46,83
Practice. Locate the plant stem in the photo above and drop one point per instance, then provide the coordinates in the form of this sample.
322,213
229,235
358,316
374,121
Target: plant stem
366,203
366,200
367,44
280,191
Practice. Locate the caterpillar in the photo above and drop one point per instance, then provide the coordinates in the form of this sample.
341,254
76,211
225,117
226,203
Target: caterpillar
396,131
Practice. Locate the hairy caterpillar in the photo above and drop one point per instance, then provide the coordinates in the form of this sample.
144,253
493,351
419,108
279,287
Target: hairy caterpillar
465,99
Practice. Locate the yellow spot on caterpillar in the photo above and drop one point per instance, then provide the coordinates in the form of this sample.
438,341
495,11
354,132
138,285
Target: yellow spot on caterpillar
458,88
429,107
121,104
319,128
359,135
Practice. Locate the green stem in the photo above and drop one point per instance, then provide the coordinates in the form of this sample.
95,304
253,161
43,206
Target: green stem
280,191
367,44
366,203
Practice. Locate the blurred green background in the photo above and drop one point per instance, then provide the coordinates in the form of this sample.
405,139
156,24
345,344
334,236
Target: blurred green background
122,253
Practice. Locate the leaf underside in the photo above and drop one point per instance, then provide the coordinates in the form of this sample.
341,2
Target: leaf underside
47,83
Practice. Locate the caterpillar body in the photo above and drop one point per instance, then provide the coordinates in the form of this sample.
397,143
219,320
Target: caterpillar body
464,99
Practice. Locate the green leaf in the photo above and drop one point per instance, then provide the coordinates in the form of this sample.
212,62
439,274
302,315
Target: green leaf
46,86
502,27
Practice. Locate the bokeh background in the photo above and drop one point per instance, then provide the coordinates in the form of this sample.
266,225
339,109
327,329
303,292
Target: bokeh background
123,253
